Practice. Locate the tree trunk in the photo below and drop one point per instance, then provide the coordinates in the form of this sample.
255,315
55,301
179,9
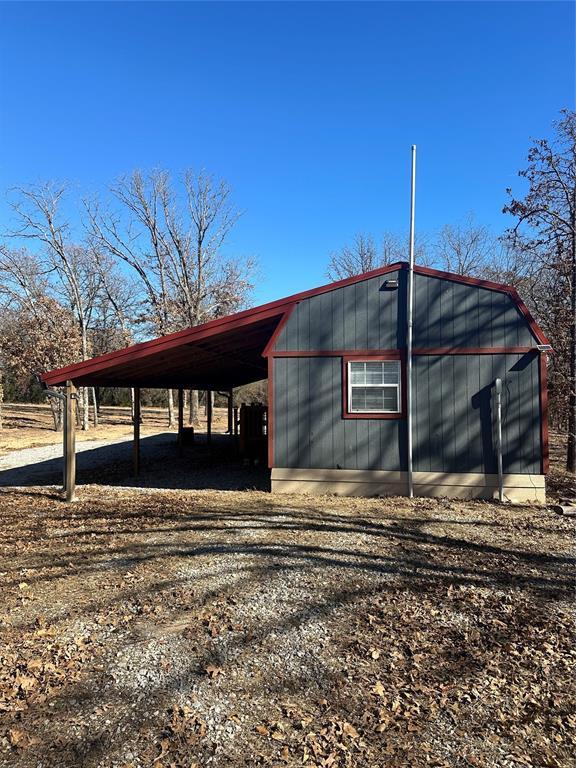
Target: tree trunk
571,452
170,409
95,406
57,413
85,409
193,413
208,405
132,403
1,401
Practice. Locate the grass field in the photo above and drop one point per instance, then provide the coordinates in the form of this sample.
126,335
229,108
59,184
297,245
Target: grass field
214,628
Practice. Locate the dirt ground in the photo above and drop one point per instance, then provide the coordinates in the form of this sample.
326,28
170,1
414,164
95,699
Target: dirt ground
31,425
221,628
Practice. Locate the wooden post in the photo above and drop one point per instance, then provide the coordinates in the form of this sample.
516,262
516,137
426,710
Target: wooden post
136,441
209,417
236,420
70,442
180,420
230,429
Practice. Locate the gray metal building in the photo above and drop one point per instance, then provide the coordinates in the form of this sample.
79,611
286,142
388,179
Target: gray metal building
335,359
467,333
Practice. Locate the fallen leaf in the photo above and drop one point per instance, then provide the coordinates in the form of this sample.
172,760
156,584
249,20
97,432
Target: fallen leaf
349,730
378,689
214,671
17,738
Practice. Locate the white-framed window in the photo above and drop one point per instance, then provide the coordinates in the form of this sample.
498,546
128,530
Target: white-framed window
374,386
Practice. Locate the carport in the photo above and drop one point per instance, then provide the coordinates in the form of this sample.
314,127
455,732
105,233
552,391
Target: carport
217,356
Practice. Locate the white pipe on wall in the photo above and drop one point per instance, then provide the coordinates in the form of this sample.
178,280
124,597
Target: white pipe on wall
498,389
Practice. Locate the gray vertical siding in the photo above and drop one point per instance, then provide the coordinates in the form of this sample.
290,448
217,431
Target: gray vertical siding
453,417
450,314
453,394
366,315
309,430
454,413
361,316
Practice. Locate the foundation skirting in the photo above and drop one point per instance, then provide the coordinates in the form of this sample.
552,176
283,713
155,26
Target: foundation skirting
359,482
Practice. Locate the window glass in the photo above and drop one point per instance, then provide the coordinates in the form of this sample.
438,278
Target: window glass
374,386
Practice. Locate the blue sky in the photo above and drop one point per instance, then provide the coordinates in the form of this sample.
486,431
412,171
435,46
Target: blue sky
307,109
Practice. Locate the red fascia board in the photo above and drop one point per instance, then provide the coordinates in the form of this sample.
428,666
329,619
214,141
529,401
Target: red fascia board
279,328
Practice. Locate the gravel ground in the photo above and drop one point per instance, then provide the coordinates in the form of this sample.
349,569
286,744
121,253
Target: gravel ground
43,465
220,628
110,462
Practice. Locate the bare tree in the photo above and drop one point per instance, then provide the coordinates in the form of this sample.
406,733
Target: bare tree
546,229
37,338
38,212
172,237
361,256
364,255
465,248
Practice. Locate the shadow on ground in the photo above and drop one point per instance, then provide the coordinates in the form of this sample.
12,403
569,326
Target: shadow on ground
199,467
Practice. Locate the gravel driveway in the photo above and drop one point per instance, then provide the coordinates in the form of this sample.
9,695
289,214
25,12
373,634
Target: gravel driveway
109,462
204,629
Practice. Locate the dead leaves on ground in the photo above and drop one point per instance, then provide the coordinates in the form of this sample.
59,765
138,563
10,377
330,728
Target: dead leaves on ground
427,671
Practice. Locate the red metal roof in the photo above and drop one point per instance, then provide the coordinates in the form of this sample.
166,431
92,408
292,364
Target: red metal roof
225,352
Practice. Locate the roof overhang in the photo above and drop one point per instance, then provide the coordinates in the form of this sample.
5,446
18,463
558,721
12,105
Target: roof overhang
219,355
229,351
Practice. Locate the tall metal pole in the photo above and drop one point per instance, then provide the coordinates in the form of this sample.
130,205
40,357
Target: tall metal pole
409,312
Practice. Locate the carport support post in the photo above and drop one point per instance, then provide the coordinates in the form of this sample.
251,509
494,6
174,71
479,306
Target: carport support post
209,416
136,441
70,442
180,420
230,412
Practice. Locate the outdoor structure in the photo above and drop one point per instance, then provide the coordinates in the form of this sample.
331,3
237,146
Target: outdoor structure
335,360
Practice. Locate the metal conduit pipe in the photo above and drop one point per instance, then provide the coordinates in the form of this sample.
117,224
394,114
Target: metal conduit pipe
498,390
409,314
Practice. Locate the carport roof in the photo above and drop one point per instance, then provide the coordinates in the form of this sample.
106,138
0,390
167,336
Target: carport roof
226,352
221,354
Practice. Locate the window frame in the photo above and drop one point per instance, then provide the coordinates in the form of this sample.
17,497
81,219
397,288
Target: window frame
347,387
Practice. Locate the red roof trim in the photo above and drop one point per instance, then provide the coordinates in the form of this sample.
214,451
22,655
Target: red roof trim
269,348
265,311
